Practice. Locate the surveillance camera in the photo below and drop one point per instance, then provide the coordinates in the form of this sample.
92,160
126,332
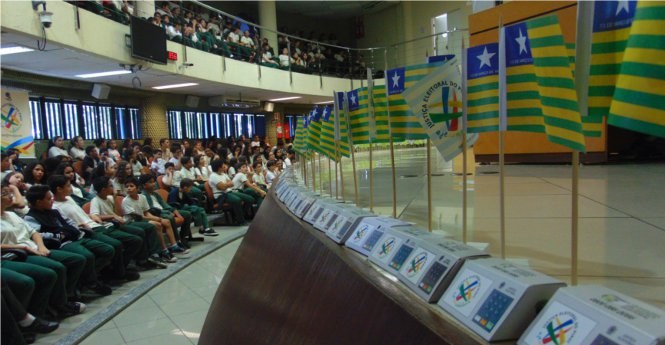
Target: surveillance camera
46,18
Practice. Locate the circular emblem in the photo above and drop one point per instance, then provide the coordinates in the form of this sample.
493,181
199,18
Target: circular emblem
11,118
416,264
387,247
360,233
559,329
467,290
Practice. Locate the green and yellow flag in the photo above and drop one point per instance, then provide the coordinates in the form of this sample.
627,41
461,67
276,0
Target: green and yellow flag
483,88
381,114
340,124
403,123
638,103
358,115
558,96
327,138
314,130
300,143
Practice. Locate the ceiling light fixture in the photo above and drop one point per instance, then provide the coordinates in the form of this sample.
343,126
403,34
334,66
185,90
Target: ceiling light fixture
283,99
103,74
173,86
326,102
14,50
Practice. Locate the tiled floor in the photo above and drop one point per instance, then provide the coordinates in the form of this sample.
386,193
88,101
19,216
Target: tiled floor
174,311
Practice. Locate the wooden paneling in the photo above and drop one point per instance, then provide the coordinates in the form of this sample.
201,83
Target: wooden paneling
290,284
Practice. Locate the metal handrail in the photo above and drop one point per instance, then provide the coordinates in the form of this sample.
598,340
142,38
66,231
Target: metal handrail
321,43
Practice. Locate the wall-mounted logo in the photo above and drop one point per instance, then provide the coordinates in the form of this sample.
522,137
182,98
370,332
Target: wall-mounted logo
467,290
11,118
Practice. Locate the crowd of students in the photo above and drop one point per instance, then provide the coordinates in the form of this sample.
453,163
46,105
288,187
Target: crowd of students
82,219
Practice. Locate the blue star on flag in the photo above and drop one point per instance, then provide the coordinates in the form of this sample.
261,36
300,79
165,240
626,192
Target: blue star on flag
396,80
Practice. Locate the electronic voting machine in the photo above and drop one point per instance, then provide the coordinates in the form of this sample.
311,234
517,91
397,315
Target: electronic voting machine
328,216
432,265
395,246
367,233
497,299
314,212
306,200
348,217
596,315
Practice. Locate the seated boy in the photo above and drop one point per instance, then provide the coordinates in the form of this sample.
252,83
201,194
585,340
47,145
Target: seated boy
61,234
181,196
135,207
242,184
103,206
125,245
160,208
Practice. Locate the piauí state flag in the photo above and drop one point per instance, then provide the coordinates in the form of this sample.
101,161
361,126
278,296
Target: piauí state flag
314,130
381,114
558,96
327,138
341,131
358,115
483,88
403,123
300,144
611,26
640,89
524,108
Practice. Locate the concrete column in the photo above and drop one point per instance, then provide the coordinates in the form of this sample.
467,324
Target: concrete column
268,19
154,123
144,8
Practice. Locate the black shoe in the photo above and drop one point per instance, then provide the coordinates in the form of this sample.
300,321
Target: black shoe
154,261
29,338
71,309
40,326
208,232
100,288
132,276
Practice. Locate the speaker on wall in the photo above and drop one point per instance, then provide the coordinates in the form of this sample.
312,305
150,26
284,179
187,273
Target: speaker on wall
100,91
192,101
269,106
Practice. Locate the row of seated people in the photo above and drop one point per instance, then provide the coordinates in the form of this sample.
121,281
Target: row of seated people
94,242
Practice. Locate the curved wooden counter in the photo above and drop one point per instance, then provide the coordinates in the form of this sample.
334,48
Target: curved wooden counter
289,284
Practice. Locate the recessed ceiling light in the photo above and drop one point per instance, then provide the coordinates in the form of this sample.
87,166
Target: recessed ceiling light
14,50
173,86
326,102
103,74
283,99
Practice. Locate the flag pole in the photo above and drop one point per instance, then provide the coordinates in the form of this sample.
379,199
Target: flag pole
320,177
313,166
371,179
464,158
392,147
304,168
372,134
429,186
582,64
330,176
502,133
353,155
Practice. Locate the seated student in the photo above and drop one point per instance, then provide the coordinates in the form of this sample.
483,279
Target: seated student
259,178
135,207
103,206
222,187
79,194
17,324
15,233
169,175
187,171
181,196
65,236
271,173
123,172
160,208
90,161
157,165
202,169
125,245
242,184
